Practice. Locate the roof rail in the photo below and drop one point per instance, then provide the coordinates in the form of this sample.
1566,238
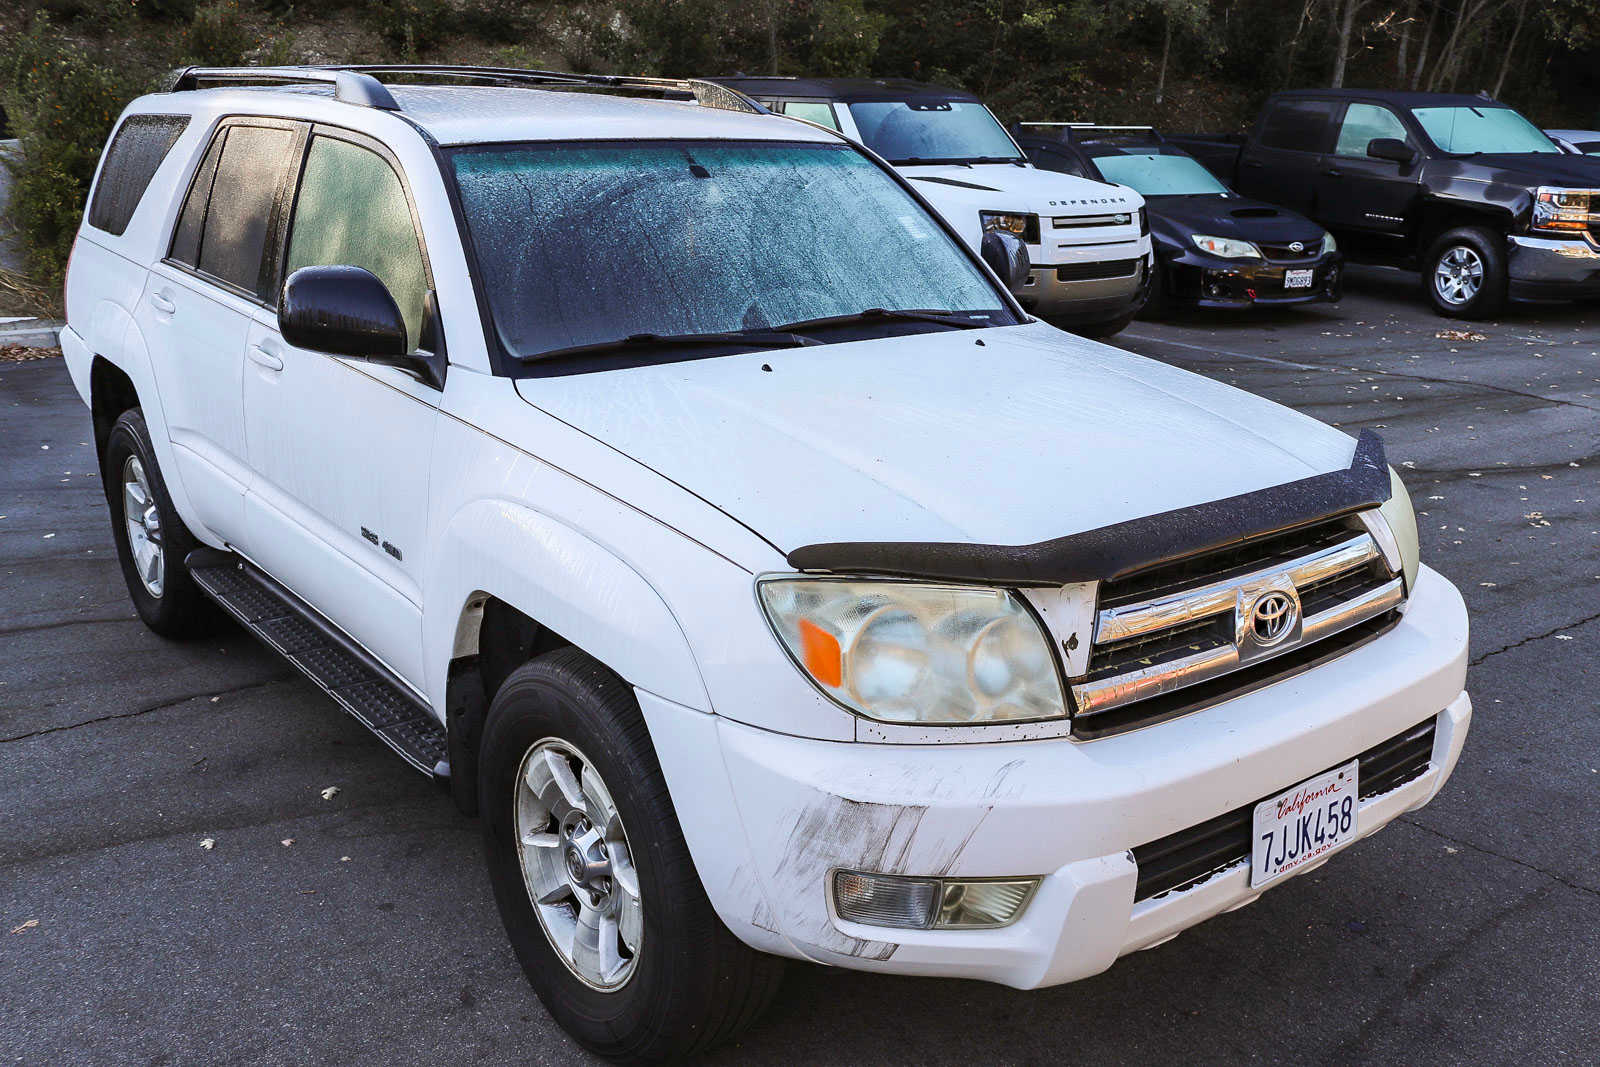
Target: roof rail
1071,131
359,83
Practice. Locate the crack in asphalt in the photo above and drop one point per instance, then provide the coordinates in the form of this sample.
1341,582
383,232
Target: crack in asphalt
1351,369
1535,637
1554,877
63,623
172,703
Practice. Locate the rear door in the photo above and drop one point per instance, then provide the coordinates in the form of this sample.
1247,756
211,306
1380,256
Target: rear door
1283,161
198,304
1359,195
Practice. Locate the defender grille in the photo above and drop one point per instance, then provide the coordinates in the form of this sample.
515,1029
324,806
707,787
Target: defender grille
1185,635
1085,272
1190,856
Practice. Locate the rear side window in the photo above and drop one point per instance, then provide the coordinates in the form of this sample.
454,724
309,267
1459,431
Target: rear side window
1297,125
227,221
141,143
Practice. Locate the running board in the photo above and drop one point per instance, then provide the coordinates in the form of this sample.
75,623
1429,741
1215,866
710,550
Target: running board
360,685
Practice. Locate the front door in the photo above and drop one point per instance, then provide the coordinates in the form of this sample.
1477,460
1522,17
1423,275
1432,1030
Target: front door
1362,196
340,447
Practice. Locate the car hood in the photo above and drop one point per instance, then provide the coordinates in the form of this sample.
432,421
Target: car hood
1534,169
1002,436
1007,187
1232,216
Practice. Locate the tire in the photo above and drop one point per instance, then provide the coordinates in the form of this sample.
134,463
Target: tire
687,983
1157,305
1476,258
1099,331
172,605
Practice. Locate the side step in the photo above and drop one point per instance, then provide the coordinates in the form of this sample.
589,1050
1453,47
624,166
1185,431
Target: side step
360,684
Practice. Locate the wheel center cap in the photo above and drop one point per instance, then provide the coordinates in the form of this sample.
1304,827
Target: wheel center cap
576,869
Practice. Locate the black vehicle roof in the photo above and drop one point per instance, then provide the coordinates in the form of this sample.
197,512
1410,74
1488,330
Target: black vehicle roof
1394,97
845,90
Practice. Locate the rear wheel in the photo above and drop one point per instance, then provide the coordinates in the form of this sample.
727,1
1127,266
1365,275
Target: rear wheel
595,885
1464,273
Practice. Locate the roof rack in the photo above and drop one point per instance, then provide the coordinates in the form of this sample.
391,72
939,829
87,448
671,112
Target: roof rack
1073,132
358,83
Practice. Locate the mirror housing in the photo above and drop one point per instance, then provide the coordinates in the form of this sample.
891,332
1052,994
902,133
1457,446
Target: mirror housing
346,311
1007,256
1391,149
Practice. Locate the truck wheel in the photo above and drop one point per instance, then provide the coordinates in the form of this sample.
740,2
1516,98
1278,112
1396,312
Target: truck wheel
1464,273
152,540
594,882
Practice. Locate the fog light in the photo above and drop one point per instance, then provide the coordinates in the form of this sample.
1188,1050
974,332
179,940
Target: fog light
924,903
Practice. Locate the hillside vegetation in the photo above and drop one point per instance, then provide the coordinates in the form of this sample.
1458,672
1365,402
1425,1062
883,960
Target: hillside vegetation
68,66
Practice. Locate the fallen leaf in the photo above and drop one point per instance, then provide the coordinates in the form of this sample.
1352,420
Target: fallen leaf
29,925
208,843
330,792
286,842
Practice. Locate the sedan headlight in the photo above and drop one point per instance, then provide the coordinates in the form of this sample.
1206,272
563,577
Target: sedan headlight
912,653
1226,247
1328,243
1402,520
1024,226
1563,211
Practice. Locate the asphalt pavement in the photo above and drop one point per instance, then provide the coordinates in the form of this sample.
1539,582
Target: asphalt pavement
360,928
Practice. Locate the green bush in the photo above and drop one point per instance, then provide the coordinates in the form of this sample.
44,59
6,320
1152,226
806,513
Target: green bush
61,102
217,36
413,28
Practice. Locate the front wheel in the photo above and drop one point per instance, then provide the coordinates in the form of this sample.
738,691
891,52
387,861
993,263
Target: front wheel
1464,273
594,883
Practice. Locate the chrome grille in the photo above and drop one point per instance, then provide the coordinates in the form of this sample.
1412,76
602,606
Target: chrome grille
1192,633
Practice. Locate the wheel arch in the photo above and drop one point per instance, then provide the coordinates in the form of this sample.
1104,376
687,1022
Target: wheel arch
1441,214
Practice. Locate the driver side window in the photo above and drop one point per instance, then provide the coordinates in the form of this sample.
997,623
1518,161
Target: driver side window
1365,123
353,211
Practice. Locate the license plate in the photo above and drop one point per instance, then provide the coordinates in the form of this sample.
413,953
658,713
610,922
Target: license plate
1305,823
1298,279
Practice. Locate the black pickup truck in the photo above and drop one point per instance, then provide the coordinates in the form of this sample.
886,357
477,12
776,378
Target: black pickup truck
1462,188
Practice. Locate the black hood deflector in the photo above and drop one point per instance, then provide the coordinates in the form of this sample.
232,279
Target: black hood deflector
1123,548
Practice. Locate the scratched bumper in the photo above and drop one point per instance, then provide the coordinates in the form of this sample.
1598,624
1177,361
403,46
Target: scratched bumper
1068,811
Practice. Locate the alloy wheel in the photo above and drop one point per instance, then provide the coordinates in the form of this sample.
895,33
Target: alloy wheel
143,521
1458,276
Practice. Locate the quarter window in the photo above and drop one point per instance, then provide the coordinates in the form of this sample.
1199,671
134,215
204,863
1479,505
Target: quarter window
1363,124
141,143
353,212
1297,125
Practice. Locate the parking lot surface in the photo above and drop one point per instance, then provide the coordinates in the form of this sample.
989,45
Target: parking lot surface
360,928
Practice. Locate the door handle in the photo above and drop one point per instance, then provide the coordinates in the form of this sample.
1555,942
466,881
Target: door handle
1253,164
162,304
266,359
1334,172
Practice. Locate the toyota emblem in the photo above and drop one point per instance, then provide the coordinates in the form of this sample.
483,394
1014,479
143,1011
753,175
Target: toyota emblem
1272,617
1297,246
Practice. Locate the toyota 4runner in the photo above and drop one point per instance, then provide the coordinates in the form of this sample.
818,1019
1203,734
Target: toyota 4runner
670,481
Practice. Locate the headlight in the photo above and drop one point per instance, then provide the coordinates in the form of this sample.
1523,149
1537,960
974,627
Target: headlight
906,652
1402,520
1328,243
1563,210
1024,226
1226,247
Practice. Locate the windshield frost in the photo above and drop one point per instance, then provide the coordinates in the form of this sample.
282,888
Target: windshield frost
1482,129
945,132
1159,175
592,242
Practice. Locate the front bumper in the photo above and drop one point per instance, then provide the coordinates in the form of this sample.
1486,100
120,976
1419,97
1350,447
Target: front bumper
1544,268
1211,282
1063,295
773,817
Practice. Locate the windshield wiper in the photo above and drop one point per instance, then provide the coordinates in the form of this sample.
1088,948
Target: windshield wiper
942,318
775,338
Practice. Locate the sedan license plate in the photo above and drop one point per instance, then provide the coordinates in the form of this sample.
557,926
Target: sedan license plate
1304,823
1298,279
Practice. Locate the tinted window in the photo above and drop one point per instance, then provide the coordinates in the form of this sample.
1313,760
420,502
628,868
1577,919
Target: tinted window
1482,129
249,175
141,143
1363,124
820,113
930,131
592,242
186,240
353,212
1296,125
1588,148
1061,162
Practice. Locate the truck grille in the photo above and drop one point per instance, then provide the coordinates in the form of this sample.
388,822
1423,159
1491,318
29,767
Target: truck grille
1190,856
1182,636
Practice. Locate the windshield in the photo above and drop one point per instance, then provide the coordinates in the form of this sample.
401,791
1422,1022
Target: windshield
1159,175
950,132
1465,130
585,243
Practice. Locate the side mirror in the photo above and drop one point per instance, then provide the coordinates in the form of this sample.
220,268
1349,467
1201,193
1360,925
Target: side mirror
347,311
1007,256
1392,149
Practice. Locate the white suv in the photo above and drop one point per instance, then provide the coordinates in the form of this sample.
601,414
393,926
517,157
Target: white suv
677,486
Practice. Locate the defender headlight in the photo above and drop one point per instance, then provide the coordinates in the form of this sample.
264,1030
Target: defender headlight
1328,243
1563,211
1402,520
1024,226
1226,247
914,653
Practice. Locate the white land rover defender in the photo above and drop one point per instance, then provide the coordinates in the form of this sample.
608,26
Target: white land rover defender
1088,242
668,479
